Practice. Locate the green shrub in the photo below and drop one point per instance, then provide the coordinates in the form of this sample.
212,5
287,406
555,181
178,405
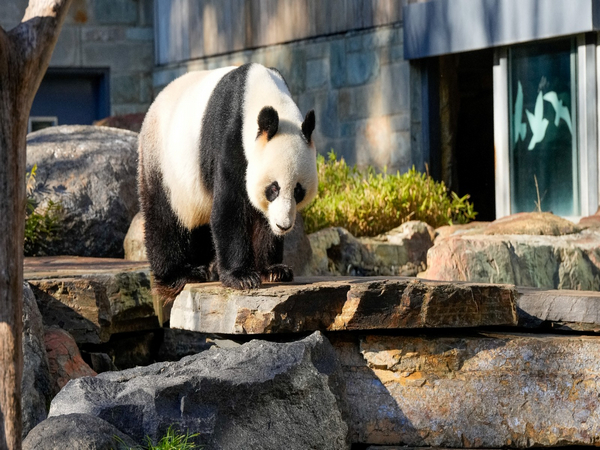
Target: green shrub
368,203
42,225
173,440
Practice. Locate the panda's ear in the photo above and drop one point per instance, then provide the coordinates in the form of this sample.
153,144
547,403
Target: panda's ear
268,122
308,126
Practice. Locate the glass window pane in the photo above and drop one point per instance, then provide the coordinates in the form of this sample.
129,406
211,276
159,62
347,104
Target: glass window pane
543,127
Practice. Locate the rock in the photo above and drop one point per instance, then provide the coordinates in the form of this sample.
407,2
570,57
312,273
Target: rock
592,221
545,224
99,362
483,391
133,245
76,431
132,349
260,395
463,228
297,251
550,262
93,298
64,359
559,309
91,171
342,303
320,243
403,250
36,386
179,343
132,122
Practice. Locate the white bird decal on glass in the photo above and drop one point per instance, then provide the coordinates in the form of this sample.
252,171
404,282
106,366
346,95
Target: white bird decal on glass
520,127
537,123
562,112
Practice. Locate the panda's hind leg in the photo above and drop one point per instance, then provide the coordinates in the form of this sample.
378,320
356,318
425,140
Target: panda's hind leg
173,260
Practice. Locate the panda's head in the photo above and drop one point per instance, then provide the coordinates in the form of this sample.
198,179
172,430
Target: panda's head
282,169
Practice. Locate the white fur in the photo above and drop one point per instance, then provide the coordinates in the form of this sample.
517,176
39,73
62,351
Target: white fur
286,158
178,111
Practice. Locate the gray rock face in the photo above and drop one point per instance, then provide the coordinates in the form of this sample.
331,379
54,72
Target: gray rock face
92,172
550,262
401,251
36,387
260,395
76,431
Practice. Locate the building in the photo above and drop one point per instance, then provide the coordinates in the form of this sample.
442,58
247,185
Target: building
498,98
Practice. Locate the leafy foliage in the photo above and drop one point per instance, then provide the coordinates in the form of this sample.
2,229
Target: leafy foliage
42,224
368,203
173,440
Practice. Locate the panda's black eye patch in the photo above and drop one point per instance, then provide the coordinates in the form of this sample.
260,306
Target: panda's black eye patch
272,191
299,193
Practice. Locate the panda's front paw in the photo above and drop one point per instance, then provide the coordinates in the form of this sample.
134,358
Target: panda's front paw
239,279
278,272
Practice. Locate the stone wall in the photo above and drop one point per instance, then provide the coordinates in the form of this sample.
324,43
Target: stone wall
357,83
113,34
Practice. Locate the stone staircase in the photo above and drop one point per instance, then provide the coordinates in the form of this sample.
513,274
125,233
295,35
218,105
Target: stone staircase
425,363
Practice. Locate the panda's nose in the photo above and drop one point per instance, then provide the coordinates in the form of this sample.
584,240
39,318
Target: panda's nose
283,228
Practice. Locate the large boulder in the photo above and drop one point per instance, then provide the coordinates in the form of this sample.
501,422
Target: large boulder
401,251
545,252
260,395
91,171
64,360
36,384
76,431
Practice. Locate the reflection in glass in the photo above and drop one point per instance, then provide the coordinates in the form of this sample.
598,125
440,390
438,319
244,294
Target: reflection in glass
542,93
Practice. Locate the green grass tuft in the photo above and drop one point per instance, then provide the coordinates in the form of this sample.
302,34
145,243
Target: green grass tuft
368,203
173,440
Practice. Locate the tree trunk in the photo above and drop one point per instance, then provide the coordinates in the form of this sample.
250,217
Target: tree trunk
24,56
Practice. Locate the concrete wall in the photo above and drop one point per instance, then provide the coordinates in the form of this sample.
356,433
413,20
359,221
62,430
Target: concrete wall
113,34
357,83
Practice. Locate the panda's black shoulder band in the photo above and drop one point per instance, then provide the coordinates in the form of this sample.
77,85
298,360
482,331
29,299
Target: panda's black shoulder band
268,121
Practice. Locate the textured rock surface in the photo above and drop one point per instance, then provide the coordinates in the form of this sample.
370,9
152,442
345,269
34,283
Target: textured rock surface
532,224
559,309
488,391
401,251
92,298
176,344
258,396
64,360
551,262
133,244
342,303
76,431
36,385
92,172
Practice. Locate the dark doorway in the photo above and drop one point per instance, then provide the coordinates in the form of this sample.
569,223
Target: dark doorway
71,97
474,150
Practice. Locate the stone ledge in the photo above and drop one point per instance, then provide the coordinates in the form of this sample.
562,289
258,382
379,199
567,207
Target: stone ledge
343,303
93,298
559,309
492,390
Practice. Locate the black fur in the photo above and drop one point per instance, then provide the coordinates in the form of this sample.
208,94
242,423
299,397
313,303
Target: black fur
168,243
308,126
268,122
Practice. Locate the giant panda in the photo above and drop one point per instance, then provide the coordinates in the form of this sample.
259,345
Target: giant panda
225,161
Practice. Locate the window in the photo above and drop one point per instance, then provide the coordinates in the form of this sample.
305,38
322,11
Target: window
542,110
40,122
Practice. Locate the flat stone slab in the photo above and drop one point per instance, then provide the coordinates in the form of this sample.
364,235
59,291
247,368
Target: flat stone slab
93,298
343,303
484,390
559,309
